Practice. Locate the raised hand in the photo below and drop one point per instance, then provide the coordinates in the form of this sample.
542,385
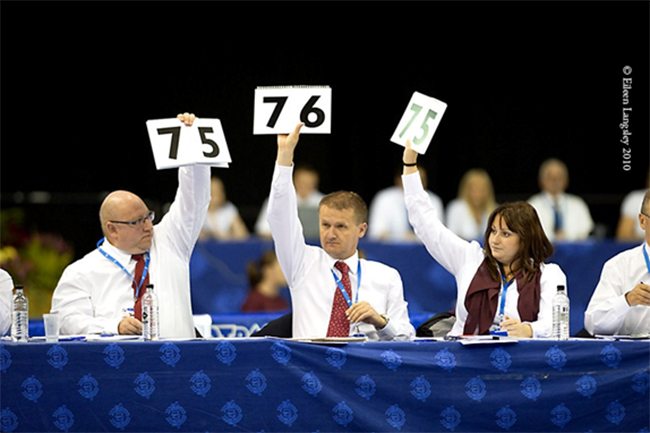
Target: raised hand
287,144
186,118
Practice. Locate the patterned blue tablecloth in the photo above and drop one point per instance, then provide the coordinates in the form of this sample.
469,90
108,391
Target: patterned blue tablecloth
274,385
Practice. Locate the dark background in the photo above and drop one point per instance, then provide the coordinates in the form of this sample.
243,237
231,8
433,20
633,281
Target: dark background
523,82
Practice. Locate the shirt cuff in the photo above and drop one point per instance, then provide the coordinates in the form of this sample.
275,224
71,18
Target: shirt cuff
412,183
112,326
388,332
620,305
282,172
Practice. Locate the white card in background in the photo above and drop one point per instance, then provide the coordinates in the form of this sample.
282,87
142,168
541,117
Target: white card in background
419,122
174,144
278,109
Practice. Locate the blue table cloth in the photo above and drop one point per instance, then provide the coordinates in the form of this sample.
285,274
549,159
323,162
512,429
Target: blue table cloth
273,385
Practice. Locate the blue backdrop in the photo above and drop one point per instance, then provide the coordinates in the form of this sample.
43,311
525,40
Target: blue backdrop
219,282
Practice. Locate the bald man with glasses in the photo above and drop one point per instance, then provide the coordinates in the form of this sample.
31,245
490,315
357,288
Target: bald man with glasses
100,292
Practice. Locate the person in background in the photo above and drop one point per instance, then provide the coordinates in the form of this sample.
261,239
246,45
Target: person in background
333,292
6,299
95,293
503,286
628,229
305,179
266,281
388,220
467,214
620,303
223,221
565,217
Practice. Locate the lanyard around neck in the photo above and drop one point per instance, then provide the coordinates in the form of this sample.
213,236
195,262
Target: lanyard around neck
504,288
645,256
345,292
119,265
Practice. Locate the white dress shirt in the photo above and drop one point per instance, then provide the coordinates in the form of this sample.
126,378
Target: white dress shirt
608,311
6,299
576,219
462,259
461,221
308,270
388,220
94,292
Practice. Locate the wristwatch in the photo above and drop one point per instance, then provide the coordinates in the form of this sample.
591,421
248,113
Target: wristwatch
386,318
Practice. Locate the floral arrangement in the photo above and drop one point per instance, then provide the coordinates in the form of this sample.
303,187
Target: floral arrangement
34,259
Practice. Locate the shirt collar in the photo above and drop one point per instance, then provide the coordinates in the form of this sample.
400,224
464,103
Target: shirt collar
351,261
550,198
119,255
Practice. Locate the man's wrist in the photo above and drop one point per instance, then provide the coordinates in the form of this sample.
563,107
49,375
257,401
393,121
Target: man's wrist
285,159
386,319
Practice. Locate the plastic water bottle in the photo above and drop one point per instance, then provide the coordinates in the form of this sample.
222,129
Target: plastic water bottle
560,315
20,316
150,320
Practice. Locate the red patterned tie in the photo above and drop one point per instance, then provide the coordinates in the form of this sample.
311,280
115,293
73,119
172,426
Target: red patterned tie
339,325
139,267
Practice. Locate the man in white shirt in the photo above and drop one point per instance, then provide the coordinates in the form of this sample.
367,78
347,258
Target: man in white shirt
564,217
388,218
96,292
321,277
6,297
621,302
305,179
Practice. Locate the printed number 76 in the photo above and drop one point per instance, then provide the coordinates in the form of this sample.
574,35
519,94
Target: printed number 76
424,126
308,108
176,134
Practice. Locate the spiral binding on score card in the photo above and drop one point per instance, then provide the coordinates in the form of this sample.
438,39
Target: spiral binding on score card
298,86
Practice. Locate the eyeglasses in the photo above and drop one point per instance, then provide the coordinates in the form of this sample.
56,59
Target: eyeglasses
137,223
645,214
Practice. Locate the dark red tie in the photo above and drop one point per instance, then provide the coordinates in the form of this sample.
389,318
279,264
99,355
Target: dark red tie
139,267
339,325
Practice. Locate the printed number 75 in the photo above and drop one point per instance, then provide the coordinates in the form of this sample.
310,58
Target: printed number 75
424,126
176,134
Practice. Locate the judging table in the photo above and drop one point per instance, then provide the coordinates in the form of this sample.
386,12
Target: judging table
275,385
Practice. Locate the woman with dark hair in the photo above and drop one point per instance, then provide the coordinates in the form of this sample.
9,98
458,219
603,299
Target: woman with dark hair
504,286
266,280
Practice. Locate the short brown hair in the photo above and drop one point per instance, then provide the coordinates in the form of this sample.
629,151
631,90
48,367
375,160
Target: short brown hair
522,219
347,200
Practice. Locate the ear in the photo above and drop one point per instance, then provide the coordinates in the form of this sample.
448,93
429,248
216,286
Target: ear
643,222
111,230
363,228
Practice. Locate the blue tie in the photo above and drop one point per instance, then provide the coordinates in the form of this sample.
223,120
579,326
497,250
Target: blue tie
557,217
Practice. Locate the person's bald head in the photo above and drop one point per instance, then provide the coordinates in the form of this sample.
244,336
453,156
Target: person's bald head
553,176
117,210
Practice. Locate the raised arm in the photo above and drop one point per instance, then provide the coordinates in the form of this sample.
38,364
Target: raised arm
282,215
183,223
287,145
445,247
